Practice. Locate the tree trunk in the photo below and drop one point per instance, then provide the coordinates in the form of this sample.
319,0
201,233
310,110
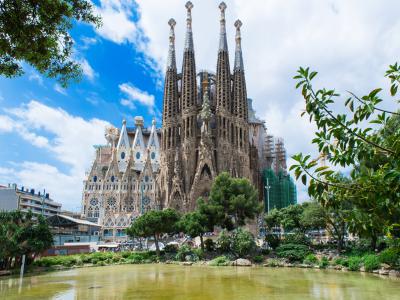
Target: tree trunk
201,242
374,240
156,243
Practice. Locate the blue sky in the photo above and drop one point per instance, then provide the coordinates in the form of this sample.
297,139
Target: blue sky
47,133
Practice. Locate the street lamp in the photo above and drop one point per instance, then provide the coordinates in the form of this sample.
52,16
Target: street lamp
268,187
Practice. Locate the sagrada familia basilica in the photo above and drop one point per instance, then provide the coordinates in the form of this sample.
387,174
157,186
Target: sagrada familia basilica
208,126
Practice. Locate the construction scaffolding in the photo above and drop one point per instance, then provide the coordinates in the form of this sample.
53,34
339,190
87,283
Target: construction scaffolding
280,189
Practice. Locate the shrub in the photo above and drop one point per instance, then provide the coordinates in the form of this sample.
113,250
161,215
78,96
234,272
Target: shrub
273,262
354,263
371,262
265,251
341,261
198,253
242,242
296,238
272,240
183,251
293,252
220,261
258,259
323,263
224,242
310,259
390,256
171,248
209,245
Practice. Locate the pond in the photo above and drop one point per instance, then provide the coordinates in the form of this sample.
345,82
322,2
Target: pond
199,282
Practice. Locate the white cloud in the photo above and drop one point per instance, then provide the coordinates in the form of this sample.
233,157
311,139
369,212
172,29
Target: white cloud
117,24
6,124
59,89
134,94
68,139
34,76
87,42
87,69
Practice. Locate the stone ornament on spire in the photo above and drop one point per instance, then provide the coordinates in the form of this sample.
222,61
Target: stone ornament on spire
238,50
189,34
223,44
171,62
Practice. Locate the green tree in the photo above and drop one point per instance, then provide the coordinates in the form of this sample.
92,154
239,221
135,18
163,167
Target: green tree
37,32
313,216
234,200
155,223
194,224
242,242
21,234
291,218
367,140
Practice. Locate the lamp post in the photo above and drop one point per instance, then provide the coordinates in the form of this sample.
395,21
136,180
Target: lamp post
268,187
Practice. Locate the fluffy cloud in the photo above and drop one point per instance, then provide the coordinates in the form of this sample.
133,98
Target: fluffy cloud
133,94
59,89
87,69
66,137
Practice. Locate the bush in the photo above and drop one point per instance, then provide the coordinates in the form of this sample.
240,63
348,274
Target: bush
265,251
272,240
183,251
224,242
310,259
220,261
371,262
171,248
198,253
390,256
258,259
209,245
242,242
296,238
273,262
354,263
323,263
341,261
293,252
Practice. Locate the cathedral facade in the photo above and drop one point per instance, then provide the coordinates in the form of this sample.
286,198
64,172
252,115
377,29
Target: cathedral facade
208,127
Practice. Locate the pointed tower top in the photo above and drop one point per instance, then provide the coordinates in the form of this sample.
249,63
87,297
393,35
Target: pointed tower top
123,122
153,122
171,63
223,45
238,51
189,34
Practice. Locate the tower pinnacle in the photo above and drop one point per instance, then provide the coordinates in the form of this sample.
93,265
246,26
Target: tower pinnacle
238,50
171,63
223,45
189,34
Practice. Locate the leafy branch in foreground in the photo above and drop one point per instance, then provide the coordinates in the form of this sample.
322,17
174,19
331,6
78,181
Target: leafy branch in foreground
366,141
37,32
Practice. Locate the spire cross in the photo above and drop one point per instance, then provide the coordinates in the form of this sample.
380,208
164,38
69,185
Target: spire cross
189,6
222,7
205,82
238,24
172,24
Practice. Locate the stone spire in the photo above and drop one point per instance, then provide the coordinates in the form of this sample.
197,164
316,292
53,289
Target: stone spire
240,107
223,76
189,33
238,50
171,97
189,94
223,44
205,113
171,63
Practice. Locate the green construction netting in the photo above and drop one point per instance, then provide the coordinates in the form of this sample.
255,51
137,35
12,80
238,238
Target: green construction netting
281,191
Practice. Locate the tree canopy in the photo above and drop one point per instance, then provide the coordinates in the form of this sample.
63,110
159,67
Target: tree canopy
234,200
36,32
21,234
154,223
366,140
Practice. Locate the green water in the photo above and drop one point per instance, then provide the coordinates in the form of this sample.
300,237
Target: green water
197,282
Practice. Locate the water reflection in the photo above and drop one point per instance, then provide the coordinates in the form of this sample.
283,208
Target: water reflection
178,282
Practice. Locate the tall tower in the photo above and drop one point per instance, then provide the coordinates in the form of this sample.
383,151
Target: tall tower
188,104
223,99
170,124
240,107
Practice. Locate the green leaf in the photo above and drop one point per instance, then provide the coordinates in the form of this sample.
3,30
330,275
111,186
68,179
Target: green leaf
393,90
304,179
